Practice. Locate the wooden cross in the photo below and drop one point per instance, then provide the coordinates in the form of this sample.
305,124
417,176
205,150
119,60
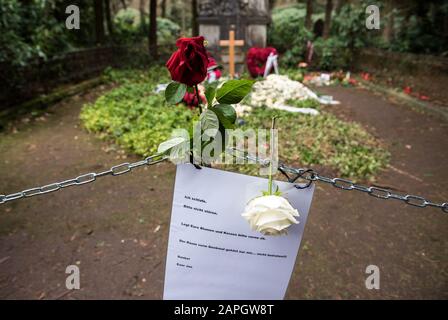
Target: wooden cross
231,43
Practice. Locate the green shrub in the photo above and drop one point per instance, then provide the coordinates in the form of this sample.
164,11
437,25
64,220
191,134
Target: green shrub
287,34
322,140
294,55
418,35
306,103
29,31
127,24
348,32
286,26
167,31
331,54
349,26
132,115
129,28
153,75
294,73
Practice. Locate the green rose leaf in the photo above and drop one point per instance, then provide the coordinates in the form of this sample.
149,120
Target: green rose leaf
175,92
177,148
209,123
210,95
226,115
233,91
205,131
169,144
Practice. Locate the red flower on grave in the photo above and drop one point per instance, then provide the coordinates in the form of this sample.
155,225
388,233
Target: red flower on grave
256,60
366,76
407,90
213,67
188,64
352,81
191,99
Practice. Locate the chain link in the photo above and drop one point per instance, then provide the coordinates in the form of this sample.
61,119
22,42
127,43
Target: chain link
344,184
376,192
301,173
82,179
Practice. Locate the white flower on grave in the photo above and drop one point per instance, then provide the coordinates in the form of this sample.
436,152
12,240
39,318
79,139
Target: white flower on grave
242,110
276,90
270,215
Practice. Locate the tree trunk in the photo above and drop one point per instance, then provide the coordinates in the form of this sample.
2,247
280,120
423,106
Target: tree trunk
194,18
114,7
327,24
99,21
339,5
123,3
182,13
110,27
389,26
309,13
141,8
163,8
445,24
152,36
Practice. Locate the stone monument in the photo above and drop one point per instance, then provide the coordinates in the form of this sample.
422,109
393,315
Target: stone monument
248,19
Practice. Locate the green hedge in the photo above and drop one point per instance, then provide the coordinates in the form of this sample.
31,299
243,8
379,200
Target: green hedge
287,34
132,115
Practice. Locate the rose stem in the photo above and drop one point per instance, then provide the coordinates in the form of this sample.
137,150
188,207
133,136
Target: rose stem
197,96
272,156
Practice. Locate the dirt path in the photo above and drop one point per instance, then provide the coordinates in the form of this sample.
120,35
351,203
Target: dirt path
116,229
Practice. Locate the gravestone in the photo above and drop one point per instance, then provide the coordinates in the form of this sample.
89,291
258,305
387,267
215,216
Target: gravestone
248,18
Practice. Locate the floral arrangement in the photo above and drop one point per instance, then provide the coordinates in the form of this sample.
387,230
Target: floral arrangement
214,72
275,90
256,60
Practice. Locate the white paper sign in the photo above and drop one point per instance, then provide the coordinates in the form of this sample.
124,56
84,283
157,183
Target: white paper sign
213,253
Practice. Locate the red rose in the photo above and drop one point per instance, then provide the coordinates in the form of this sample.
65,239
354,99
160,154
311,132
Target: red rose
188,64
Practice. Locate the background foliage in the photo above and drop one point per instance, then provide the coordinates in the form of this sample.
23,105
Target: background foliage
416,28
287,34
130,29
35,30
133,115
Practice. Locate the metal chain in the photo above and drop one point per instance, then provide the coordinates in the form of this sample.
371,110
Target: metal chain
344,184
82,179
301,173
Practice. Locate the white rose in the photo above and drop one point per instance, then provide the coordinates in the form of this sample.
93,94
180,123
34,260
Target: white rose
270,215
